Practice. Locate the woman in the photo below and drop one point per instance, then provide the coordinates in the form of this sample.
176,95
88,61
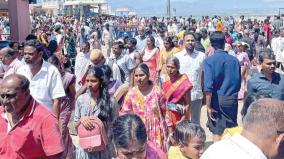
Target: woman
177,92
66,108
151,56
166,52
243,58
147,101
95,102
130,139
177,47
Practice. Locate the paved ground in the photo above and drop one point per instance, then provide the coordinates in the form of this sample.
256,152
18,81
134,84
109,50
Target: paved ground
203,124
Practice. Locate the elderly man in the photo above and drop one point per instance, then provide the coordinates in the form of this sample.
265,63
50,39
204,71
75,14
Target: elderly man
46,83
141,38
27,129
222,81
262,136
9,58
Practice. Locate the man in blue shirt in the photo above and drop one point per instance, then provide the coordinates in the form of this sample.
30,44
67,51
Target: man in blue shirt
267,81
222,81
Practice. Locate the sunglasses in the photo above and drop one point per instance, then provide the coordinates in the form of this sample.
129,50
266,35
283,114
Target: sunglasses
8,96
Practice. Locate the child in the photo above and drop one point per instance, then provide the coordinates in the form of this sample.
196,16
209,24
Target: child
190,139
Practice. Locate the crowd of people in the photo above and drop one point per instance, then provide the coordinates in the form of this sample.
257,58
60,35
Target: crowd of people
139,94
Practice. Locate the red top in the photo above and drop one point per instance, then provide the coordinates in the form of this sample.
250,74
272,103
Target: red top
37,135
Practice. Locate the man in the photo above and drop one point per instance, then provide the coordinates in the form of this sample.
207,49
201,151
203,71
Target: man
222,81
107,40
28,129
277,45
205,40
46,83
198,45
191,65
131,48
97,58
82,37
122,65
160,38
267,81
277,24
141,38
82,62
9,58
262,136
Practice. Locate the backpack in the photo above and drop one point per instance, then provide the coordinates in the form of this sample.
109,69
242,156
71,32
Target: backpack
95,139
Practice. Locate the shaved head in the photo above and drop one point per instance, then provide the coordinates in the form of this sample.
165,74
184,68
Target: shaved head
265,114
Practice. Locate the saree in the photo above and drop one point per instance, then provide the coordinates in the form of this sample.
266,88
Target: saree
174,91
151,109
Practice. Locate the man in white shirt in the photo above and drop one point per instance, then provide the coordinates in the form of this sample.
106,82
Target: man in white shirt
45,80
277,45
191,64
141,38
82,63
262,136
107,40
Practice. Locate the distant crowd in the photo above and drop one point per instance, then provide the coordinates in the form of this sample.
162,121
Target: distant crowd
134,87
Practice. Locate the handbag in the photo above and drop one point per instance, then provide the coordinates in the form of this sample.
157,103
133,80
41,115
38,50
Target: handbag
95,139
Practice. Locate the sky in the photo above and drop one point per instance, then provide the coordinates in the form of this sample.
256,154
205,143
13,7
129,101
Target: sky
202,7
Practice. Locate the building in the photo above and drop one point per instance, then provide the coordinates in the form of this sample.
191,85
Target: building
86,7
53,6
124,11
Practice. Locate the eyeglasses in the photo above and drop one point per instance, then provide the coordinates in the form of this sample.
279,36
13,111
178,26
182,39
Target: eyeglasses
8,96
